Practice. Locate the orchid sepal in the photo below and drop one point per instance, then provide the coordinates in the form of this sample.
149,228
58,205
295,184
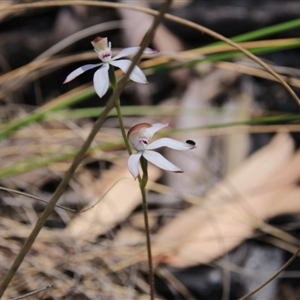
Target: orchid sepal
101,80
133,164
136,75
169,143
77,72
132,51
161,162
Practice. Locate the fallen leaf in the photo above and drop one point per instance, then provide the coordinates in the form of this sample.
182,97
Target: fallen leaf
262,187
121,196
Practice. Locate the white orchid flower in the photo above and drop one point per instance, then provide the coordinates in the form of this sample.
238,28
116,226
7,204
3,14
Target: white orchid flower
101,78
140,137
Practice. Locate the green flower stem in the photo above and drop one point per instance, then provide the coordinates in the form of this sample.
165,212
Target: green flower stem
113,82
121,124
144,165
112,77
142,181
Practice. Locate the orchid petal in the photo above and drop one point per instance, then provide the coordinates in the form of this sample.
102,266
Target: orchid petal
80,71
136,75
131,51
156,127
170,143
133,164
158,160
101,80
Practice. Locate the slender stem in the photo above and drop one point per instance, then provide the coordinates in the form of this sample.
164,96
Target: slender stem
121,124
144,165
113,82
142,181
148,240
112,77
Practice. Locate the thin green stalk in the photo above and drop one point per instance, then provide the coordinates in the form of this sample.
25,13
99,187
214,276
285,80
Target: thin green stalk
142,181
120,118
113,82
148,239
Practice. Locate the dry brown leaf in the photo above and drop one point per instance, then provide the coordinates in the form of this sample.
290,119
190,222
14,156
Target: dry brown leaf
262,187
129,236
122,198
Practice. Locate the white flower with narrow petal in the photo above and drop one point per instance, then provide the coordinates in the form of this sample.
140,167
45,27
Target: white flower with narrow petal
101,78
140,137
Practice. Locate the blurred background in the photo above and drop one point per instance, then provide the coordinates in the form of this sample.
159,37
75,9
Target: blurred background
221,228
